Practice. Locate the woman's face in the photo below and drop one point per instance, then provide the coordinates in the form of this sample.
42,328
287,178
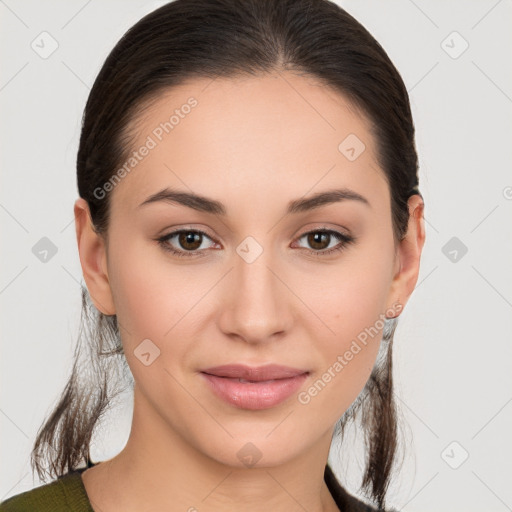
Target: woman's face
263,284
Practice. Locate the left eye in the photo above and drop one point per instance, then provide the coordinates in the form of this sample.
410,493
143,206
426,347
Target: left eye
317,239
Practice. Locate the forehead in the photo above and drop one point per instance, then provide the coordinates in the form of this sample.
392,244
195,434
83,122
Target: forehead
246,136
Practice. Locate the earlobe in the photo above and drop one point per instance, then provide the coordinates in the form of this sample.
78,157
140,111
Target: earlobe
93,259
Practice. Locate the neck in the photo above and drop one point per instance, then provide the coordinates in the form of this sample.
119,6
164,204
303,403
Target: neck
173,475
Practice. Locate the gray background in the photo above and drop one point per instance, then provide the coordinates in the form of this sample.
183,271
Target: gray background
452,345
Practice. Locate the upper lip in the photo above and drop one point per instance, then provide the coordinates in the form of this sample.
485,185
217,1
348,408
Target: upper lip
254,373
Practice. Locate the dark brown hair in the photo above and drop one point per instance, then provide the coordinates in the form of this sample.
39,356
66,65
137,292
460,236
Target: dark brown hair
184,39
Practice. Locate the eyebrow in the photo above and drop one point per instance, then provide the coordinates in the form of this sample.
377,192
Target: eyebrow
207,205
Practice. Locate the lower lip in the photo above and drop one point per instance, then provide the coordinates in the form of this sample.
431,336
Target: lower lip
257,395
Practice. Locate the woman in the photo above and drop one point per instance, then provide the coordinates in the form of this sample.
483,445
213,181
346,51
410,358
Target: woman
249,228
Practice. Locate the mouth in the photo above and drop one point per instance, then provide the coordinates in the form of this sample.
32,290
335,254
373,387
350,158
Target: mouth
254,388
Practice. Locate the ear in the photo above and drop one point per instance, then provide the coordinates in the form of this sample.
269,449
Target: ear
93,258
408,257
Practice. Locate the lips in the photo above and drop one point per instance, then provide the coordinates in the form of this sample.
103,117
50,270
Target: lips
254,373
254,388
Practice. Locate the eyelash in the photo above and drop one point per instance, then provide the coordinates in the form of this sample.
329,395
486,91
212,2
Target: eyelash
346,239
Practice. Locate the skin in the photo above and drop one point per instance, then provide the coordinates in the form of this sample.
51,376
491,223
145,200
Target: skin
253,144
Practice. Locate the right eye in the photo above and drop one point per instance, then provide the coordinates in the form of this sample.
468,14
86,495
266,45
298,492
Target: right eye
190,241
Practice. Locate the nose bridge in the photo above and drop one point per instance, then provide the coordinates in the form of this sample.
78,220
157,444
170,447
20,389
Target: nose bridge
258,308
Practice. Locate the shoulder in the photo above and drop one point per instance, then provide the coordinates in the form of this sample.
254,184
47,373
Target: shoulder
64,494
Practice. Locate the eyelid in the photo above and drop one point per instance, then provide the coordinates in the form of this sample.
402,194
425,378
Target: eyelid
322,227
187,227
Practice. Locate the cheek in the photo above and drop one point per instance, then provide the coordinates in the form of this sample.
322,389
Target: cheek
350,299
148,300
350,296
157,299
150,305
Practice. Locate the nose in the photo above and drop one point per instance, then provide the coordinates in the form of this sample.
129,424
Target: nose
256,305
